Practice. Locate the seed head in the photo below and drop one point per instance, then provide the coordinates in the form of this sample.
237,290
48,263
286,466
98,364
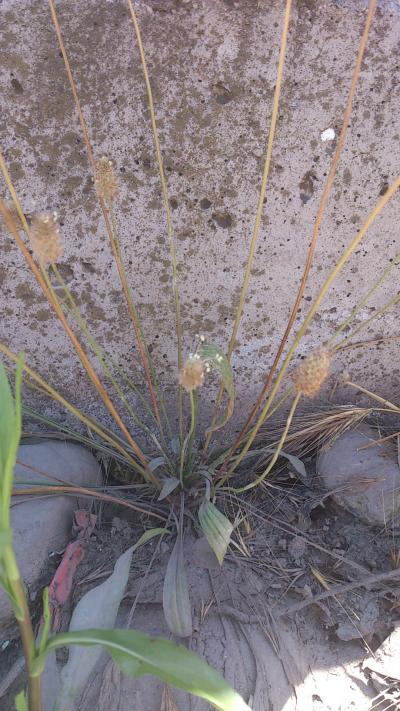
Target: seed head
105,179
312,372
45,237
191,376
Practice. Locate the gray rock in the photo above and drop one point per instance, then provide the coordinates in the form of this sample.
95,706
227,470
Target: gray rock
364,481
43,524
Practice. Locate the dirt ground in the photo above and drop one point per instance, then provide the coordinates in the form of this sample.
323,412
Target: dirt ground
305,598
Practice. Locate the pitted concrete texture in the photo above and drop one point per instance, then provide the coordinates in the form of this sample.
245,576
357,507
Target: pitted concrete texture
212,65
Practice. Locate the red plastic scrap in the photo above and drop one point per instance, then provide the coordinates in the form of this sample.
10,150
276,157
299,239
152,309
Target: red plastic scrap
61,585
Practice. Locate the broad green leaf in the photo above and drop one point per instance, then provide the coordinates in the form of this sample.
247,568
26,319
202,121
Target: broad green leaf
169,486
216,528
176,602
137,653
217,358
20,702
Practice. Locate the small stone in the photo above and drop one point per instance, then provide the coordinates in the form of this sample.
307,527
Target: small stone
42,525
297,548
364,480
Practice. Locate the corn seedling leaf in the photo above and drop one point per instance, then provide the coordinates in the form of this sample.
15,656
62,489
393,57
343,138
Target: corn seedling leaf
10,433
5,540
136,653
216,528
176,602
218,360
20,702
169,486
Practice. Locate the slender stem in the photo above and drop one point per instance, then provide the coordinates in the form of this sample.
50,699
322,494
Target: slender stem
101,356
164,189
367,322
87,421
357,308
260,206
317,224
187,444
276,454
314,308
104,209
363,344
375,397
82,355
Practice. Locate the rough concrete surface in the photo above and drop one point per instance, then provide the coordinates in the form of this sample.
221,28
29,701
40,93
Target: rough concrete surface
212,65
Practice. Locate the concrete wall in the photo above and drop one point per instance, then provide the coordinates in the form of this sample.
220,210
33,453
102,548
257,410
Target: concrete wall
213,67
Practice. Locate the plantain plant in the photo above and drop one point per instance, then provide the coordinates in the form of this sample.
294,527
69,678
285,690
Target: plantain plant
134,652
181,467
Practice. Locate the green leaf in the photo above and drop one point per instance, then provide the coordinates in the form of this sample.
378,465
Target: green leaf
20,702
10,433
169,486
155,463
5,539
137,653
176,602
148,535
296,463
217,358
216,528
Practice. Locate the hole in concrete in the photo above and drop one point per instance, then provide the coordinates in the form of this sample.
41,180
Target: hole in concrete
205,204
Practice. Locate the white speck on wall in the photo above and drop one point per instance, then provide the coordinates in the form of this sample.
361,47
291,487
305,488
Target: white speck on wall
328,134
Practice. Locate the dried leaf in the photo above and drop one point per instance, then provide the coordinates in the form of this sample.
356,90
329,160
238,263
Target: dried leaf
216,528
167,700
110,690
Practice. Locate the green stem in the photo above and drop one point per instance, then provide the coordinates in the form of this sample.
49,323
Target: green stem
164,190
187,445
275,455
357,308
314,308
260,206
21,611
372,395
367,321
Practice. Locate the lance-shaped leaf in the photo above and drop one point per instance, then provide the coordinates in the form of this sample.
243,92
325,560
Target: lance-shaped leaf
216,528
176,601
